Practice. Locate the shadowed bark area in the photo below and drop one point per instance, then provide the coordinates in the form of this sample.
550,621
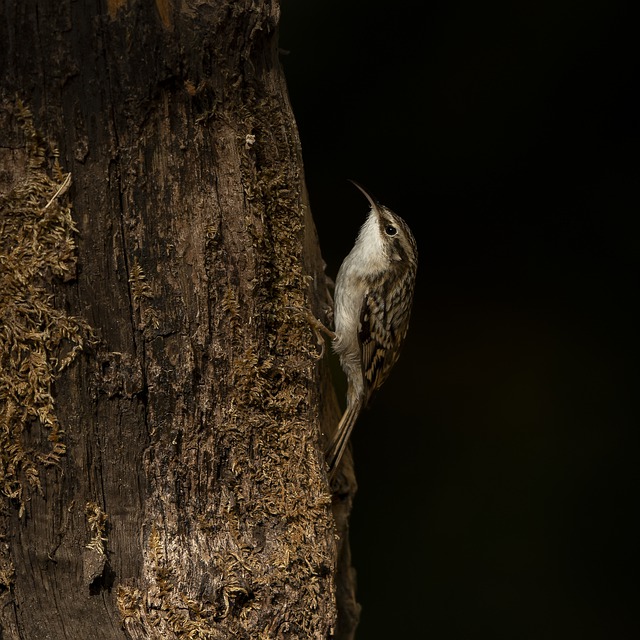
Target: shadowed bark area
162,406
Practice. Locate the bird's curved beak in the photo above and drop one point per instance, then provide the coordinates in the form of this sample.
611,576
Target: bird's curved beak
374,205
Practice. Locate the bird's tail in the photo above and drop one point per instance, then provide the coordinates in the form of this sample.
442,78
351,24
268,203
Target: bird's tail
340,439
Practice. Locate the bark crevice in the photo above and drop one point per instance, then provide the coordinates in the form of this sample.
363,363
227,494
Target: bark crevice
193,481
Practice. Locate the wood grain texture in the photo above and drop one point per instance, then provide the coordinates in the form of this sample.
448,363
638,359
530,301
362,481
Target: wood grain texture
192,498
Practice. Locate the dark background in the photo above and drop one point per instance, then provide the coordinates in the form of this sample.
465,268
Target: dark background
498,466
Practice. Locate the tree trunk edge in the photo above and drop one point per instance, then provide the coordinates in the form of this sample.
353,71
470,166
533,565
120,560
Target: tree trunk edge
126,386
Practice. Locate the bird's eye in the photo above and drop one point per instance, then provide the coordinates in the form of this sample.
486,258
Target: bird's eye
390,230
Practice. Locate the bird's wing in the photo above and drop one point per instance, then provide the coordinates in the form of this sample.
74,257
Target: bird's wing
376,341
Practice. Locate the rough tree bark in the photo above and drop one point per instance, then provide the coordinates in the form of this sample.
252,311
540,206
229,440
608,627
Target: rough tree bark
161,402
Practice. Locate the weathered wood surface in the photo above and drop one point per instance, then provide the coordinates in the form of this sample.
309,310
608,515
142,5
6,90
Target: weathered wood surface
173,485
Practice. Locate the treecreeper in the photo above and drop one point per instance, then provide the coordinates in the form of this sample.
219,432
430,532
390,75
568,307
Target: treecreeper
372,306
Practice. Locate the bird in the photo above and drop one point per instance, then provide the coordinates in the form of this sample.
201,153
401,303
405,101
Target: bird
373,297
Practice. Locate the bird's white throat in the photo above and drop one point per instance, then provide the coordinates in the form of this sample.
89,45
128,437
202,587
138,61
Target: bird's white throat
369,252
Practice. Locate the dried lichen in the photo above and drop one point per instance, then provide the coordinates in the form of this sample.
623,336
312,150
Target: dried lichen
259,562
37,340
166,607
94,557
97,523
129,601
142,294
241,587
7,570
272,452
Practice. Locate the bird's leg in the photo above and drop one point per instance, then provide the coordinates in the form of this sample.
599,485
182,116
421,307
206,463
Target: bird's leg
319,329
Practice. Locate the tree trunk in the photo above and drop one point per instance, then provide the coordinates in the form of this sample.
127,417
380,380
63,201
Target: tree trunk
161,401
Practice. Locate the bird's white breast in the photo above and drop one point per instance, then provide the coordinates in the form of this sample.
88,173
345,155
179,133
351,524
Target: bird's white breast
366,260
